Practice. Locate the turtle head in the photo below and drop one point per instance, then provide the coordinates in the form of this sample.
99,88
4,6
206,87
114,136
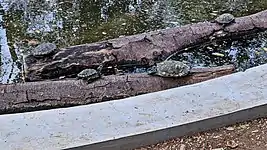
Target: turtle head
152,70
99,68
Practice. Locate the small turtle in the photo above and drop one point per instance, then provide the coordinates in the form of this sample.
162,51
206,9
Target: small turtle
90,74
170,68
225,19
44,49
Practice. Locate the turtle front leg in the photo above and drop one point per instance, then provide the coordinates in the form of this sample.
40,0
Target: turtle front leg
89,81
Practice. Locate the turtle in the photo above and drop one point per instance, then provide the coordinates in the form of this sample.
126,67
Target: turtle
44,49
225,19
174,69
170,68
90,74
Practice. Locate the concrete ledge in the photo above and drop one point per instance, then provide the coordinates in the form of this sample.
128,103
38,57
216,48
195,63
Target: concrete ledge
141,120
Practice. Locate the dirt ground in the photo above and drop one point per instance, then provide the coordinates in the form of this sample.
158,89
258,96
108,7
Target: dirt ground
250,135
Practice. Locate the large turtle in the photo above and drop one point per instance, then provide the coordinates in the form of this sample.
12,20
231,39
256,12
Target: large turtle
90,74
174,69
225,19
170,68
44,49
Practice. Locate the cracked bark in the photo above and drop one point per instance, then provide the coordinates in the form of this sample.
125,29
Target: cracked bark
142,49
53,94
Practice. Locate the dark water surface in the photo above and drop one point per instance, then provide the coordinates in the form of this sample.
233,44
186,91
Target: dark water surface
26,23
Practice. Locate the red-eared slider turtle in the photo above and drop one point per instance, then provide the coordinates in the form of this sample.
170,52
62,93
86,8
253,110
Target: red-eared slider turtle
90,74
174,69
170,68
44,49
225,19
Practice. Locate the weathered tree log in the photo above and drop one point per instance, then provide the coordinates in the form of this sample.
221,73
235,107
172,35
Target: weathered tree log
141,49
31,96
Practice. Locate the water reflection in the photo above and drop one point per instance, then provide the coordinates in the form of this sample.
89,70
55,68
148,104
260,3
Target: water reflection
243,53
71,22
9,68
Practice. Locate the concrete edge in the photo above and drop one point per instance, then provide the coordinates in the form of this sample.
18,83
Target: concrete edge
132,142
255,108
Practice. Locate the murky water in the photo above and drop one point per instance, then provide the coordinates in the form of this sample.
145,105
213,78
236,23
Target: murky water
25,23
244,53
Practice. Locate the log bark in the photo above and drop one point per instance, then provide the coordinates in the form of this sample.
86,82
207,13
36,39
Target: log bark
41,95
142,49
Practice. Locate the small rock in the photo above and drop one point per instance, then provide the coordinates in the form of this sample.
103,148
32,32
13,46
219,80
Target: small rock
244,126
182,147
218,149
255,131
230,128
232,144
215,137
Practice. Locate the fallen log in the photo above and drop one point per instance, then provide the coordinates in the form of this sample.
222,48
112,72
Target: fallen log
142,49
41,95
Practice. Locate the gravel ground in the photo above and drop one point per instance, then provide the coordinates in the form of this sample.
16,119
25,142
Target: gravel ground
250,135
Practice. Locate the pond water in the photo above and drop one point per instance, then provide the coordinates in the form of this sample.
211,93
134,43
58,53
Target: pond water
26,23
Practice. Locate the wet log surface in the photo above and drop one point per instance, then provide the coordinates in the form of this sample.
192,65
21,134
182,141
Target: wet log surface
142,49
53,94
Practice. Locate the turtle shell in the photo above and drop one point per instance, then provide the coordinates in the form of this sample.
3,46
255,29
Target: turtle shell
88,74
172,68
44,49
225,18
